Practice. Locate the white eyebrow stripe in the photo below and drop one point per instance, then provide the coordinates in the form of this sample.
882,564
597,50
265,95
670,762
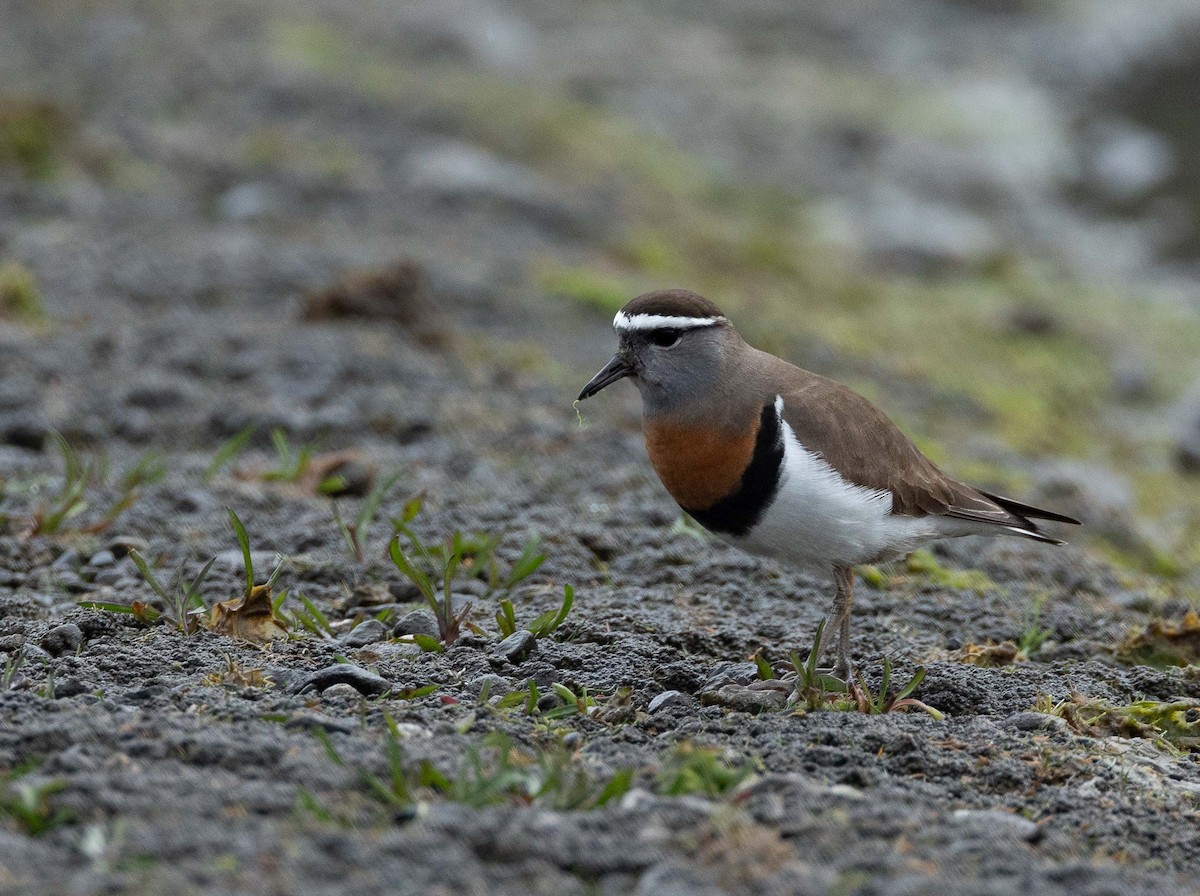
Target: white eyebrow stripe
625,321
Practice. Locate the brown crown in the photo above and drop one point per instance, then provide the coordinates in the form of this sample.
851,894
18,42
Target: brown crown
672,303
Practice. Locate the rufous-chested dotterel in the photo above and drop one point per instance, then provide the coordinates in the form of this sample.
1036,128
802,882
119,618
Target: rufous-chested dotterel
783,462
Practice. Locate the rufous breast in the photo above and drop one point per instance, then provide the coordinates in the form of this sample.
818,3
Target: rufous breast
699,464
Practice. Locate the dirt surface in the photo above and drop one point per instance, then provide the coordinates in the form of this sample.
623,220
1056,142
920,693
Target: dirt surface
249,218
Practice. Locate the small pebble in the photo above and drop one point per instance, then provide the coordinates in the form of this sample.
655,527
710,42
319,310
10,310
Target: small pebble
343,673
367,632
497,685
334,691
69,687
68,559
121,545
418,622
102,558
516,646
665,699
61,639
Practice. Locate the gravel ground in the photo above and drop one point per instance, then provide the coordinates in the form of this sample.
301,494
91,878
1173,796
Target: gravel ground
234,244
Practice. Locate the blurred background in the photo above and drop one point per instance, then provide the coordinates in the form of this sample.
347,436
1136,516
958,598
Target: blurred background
983,215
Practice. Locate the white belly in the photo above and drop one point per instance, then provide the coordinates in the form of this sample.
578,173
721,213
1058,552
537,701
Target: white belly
819,519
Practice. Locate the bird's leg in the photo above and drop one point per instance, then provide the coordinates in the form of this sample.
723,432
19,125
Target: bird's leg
843,576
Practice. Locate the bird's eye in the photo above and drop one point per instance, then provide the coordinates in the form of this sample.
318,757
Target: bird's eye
664,338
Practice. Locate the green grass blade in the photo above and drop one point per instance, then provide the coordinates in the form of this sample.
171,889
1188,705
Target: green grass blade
244,542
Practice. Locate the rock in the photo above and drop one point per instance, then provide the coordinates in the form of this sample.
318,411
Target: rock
69,687
1035,721
360,679
992,823
248,201
367,632
730,673
1125,161
12,643
108,577
350,478
418,622
675,879
68,559
404,591
34,654
603,545
497,685
745,699
516,646
666,699
10,579
102,558
154,395
918,234
121,545
334,691
61,639
459,172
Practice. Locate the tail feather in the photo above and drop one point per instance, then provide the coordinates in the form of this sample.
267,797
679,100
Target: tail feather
1010,516
1028,512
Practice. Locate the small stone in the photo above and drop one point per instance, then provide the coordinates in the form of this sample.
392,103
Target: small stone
516,646
61,639
1035,721
404,591
351,478
744,699
497,685
102,558
334,691
68,559
995,823
69,687
418,622
603,545
121,545
10,579
730,673
367,632
12,643
357,677
109,577
35,654
665,699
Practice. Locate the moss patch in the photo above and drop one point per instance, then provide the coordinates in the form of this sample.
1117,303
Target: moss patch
33,132
923,564
1174,724
20,299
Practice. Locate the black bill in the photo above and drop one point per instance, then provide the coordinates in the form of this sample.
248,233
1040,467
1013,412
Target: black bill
614,370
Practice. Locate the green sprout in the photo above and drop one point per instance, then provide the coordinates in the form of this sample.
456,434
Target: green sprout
230,449
355,531
28,804
700,770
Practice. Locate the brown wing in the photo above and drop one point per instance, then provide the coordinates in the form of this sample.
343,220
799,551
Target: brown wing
868,449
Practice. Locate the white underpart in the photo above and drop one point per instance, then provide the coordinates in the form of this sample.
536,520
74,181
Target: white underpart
819,518
625,321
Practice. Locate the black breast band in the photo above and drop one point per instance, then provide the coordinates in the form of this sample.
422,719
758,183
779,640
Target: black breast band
740,510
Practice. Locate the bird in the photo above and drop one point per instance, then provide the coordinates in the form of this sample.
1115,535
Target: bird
785,463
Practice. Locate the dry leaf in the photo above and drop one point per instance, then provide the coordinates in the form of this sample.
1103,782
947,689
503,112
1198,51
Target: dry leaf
250,617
